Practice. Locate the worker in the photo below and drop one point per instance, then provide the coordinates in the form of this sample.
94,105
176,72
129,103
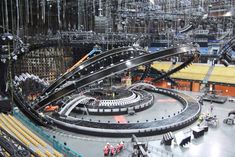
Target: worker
211,107
112,150
200,119
106,151
108,146
118,148
121,145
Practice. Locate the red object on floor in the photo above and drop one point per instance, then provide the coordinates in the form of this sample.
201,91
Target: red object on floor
121,119
166,100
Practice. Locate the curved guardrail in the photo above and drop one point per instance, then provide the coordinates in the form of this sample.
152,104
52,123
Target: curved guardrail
54,142
188,115
116,107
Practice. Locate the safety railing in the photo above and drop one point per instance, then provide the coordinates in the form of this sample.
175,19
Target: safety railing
68,152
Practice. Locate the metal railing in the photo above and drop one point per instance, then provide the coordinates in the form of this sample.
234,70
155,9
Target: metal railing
68,152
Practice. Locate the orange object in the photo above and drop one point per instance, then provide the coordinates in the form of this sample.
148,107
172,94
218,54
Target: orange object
51,108
78,63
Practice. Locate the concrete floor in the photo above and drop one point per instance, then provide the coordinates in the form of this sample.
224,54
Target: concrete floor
217,142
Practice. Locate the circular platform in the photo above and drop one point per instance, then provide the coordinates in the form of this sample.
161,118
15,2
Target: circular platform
186,114
109,102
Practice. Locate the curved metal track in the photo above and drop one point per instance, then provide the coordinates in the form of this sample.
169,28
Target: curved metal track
142,84
146,71
162,73
130,57
120,67
188,115
154,73
174,70
84,64
72,104
28,110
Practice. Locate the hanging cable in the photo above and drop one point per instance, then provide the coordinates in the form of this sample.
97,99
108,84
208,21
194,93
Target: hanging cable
17,18
64,12
58,13
38,10
78,14
3,19
6,14
43,11
12,18
27,11
31,12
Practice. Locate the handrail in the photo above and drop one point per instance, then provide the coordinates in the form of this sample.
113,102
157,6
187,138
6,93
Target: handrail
55,143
